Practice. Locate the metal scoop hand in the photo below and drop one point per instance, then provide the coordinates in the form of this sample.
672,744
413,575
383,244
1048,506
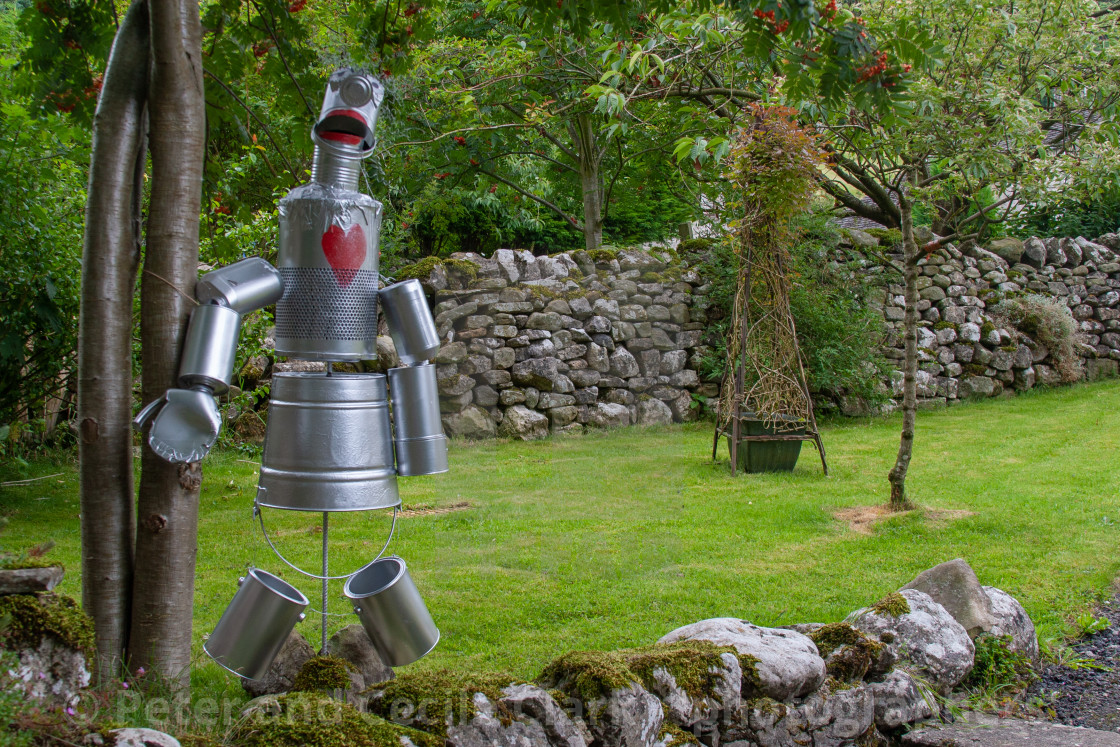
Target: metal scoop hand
185,426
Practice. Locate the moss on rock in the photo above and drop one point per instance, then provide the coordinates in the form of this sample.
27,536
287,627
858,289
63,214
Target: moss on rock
695,665
312,720
422,269
848,653
31,616
672,735
440,693
321,673
892,605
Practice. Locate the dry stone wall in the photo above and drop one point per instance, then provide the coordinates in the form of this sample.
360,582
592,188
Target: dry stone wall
966,349
539,344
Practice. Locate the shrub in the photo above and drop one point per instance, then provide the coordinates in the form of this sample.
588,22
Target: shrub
997,666
1049,322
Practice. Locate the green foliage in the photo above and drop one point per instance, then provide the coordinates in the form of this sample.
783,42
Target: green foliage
42,169
33,616
840,335
12,704
1049,322
1090,624
997,666
1060,216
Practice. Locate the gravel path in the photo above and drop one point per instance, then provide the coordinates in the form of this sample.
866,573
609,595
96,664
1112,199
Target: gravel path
1088,697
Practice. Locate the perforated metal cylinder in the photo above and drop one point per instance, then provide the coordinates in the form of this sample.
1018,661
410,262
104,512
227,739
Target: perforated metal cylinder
392,611
420,444
328,261
256,624
410,321
243,286
328,445
210,348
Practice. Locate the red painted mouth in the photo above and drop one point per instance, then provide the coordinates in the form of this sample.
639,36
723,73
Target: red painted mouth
343,126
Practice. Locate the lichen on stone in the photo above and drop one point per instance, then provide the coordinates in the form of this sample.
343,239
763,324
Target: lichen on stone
29,617
694,665
323,673
672,735
312,720
892,605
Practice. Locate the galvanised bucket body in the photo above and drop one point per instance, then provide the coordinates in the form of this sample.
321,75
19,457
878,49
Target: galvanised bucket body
329,444
410,322
255,624
392,612
418,435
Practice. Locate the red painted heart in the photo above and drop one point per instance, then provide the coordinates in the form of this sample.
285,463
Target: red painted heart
345,252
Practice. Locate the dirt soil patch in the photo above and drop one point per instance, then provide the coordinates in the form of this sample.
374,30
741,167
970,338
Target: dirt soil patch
862,519
422,510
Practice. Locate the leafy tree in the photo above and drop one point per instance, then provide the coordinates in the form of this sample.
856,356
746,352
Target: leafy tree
1003,109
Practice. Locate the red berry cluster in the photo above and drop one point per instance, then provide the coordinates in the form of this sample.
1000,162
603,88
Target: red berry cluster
442,174
830,10
297,6
867,72
459,140
412,9
768,17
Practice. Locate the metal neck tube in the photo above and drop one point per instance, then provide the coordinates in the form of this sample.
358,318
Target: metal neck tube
333,168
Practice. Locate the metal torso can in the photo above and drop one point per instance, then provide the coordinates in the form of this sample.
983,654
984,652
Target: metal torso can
329,264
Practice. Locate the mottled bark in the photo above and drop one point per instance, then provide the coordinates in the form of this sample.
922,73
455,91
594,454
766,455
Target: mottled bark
167,509
109,256
590,179
897,477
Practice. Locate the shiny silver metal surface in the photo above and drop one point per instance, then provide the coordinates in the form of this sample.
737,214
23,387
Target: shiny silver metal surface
421,456
244,286
210,348
419,442
328,445
329,265
255,624
410,321
392,611
185,424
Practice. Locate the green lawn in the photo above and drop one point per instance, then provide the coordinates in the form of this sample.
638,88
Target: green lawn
612,539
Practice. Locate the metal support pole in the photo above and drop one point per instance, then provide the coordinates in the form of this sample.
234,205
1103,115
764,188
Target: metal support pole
326,572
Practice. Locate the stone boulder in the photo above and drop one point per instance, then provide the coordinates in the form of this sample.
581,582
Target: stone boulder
51,673
472,423
540,373
522,423
1008,249
788,665
352,644
282,672
654,412
628,717
899,701
142,738
687,711
917,630
954,586
826,718
1009,618
30,580
1034,253
608,415
515,722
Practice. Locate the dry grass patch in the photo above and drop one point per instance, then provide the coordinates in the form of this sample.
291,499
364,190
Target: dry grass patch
862,519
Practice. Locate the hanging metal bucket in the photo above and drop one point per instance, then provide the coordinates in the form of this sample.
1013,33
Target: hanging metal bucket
410,322
392,611
417,429
256,624
329,445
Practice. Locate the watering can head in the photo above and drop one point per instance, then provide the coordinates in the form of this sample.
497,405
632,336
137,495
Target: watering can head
349,111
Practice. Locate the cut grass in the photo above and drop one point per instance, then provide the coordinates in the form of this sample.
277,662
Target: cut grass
611,540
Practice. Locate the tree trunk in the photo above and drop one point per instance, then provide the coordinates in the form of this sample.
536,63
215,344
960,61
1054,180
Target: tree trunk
166,541
590,180
109,257
897,477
